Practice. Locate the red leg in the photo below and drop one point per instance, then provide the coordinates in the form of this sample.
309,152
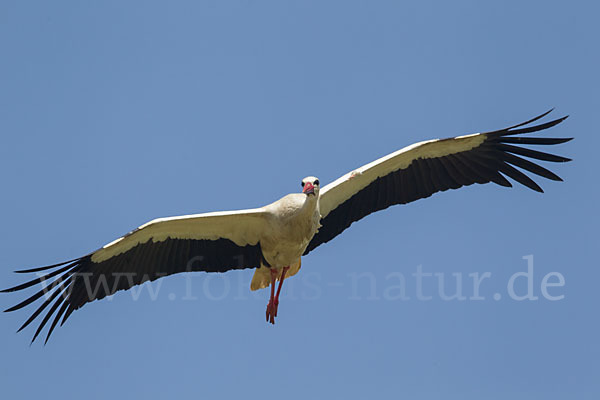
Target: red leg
271,305
276,302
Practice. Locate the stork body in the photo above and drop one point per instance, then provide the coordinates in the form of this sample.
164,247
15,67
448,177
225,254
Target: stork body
272,239
294,220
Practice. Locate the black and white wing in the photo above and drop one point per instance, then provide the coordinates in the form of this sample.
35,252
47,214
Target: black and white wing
420,170
212,242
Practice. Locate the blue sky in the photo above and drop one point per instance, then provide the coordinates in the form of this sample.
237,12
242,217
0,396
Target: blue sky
114,113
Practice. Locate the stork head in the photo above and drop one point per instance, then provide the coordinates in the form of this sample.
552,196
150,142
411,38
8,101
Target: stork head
310,186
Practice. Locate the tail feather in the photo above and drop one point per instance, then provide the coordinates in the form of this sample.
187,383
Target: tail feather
262,275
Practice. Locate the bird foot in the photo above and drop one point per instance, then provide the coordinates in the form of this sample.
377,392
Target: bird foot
272,310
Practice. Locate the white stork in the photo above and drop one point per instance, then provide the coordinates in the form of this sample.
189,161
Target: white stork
273,238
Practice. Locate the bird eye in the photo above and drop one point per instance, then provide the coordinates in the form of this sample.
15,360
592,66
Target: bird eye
302,184
317,182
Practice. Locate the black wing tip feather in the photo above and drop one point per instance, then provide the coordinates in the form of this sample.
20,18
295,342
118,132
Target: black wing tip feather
511,150
42,278
542,115
56,291
38,269
512,130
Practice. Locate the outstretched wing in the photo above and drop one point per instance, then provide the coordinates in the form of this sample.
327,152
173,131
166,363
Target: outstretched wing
212,242
424,168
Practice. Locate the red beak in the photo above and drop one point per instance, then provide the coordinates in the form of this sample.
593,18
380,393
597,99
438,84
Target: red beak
308,188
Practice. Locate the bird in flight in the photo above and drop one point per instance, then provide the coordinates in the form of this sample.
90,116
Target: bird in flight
272,239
